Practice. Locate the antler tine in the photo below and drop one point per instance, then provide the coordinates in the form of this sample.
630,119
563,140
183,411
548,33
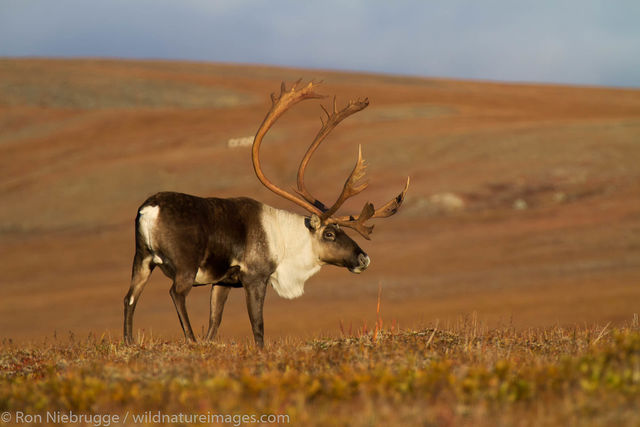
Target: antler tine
350,188
368,212
326,112
358,224
332,120
281,103
392,206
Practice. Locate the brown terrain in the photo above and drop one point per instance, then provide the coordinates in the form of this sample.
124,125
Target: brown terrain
524,206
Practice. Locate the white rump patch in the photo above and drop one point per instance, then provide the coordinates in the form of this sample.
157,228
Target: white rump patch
291,247
147,221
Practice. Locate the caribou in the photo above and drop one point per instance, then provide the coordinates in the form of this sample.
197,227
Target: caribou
240,242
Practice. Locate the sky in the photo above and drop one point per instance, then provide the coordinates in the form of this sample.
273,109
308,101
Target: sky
583,42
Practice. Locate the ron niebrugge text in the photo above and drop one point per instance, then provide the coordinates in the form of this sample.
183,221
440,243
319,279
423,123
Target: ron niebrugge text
148,417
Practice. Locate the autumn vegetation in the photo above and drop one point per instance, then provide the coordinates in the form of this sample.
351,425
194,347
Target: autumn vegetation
459,374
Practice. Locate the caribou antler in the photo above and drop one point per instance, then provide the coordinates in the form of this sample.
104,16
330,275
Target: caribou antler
368,212
279,104
328,124
352,186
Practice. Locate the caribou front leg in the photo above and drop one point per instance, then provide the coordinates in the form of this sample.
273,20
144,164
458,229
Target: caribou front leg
179,291
255,293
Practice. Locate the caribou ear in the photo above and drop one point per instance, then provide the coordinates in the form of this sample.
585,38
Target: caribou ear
313,223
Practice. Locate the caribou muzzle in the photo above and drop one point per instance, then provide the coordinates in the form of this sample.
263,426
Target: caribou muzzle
361,264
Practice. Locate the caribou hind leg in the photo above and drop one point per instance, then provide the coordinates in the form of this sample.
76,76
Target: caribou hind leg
142,267
219,294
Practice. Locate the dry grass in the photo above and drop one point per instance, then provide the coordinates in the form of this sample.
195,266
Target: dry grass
465,374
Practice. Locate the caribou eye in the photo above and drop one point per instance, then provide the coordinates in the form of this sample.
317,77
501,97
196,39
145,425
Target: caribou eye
329,235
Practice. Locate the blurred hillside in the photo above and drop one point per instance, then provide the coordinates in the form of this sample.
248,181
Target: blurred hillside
524,202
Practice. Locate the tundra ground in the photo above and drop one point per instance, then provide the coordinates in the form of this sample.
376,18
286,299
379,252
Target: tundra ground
465,375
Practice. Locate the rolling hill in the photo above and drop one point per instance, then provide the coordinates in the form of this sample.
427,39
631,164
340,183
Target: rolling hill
524,205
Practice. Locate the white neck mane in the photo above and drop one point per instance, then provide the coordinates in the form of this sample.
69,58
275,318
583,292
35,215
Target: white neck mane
291,247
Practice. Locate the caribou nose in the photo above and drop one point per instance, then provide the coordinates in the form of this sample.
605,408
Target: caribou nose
364,261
